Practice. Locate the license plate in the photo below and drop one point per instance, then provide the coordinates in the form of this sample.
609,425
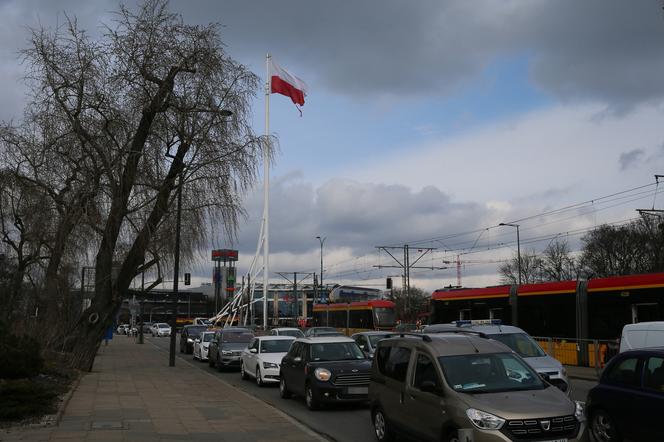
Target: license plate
358,390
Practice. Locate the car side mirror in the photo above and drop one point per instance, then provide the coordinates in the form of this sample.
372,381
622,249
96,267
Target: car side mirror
362,347
253,350
297,359
429,387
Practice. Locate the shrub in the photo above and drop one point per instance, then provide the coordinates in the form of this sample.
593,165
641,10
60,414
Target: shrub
23,398
20,356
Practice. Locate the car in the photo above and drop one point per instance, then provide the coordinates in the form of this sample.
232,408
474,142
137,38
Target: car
287,331
458,386
161,329
627,402
201,345
642,335
123,329
320,331
261,360
226,347
325,370
367,340
519,341
202,321
147,327
187,336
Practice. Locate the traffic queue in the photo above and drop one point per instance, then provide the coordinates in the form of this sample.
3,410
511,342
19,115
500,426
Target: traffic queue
491,391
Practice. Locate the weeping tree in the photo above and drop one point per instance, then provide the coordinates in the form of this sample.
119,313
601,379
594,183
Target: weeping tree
114,129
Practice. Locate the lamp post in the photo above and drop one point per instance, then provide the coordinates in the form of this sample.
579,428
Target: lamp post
322,241
518,246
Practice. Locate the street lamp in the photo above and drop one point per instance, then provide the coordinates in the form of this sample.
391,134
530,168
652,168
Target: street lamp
518,246
322,241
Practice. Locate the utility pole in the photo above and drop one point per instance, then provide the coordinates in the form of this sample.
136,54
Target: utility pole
405,265
303,276
176,276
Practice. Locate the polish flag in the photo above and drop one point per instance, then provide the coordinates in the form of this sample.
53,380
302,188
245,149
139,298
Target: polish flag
284,83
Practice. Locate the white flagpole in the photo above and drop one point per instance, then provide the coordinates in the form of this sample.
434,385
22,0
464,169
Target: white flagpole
266,196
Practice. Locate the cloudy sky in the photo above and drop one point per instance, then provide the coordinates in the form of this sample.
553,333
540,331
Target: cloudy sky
430,122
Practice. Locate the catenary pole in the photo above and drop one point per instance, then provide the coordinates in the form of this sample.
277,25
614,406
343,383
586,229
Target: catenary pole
266,191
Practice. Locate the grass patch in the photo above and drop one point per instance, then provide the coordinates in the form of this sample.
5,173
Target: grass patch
25,398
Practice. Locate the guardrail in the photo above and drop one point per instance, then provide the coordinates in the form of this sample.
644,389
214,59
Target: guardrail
593,353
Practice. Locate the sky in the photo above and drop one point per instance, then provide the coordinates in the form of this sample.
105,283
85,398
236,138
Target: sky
428,123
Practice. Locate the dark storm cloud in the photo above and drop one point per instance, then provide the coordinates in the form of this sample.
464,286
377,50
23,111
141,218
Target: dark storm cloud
628,159
606,50
356,215
593,50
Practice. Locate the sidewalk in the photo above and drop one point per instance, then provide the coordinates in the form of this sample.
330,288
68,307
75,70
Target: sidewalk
132,395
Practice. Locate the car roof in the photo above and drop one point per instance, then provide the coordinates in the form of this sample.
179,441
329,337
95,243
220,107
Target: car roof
451,344
374,332
324,339
488,329
286,328
644,351
235,329
275,338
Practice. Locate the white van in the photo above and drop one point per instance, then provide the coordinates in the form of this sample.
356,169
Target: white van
642,335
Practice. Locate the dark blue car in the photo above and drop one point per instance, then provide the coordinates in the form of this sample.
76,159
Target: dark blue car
628,402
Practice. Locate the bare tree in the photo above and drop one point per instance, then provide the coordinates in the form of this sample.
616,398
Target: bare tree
131,118
531,269
558,264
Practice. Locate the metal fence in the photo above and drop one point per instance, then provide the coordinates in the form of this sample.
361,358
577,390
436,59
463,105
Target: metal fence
593,353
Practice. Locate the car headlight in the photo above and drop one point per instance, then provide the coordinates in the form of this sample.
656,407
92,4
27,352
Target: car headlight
189,340
484,420
270,365
580,411
322,374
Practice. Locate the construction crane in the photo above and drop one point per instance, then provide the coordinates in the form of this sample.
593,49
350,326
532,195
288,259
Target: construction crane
458,263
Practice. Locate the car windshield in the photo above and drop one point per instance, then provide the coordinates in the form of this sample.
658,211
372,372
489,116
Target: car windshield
320,330
489,373
163,325
385,317
275,345
296,333
336,351
520,343
373,339
240,336
207,337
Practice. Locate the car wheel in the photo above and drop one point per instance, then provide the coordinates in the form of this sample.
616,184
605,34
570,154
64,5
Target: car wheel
259,377
381,427
283,388
243,372
210,361
311,398
218,364
603,427
452,436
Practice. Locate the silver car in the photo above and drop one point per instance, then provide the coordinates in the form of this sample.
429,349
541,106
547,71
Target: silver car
519,341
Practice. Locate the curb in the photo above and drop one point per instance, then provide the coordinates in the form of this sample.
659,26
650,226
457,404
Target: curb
310,431
66,399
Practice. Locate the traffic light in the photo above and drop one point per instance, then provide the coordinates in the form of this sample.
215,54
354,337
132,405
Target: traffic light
187,279
388,283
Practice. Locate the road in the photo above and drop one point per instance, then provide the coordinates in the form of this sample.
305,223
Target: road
345,423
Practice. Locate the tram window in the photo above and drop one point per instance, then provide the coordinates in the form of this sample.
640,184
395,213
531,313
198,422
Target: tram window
360,319
464,314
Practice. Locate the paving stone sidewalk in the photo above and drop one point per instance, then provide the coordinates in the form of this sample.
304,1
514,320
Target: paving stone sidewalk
132,395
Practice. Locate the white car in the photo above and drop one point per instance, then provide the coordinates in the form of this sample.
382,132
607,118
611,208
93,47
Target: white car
161,329
262,358
201,345
287,331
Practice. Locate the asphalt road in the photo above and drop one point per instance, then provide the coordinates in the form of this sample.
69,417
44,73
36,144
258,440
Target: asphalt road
345,423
